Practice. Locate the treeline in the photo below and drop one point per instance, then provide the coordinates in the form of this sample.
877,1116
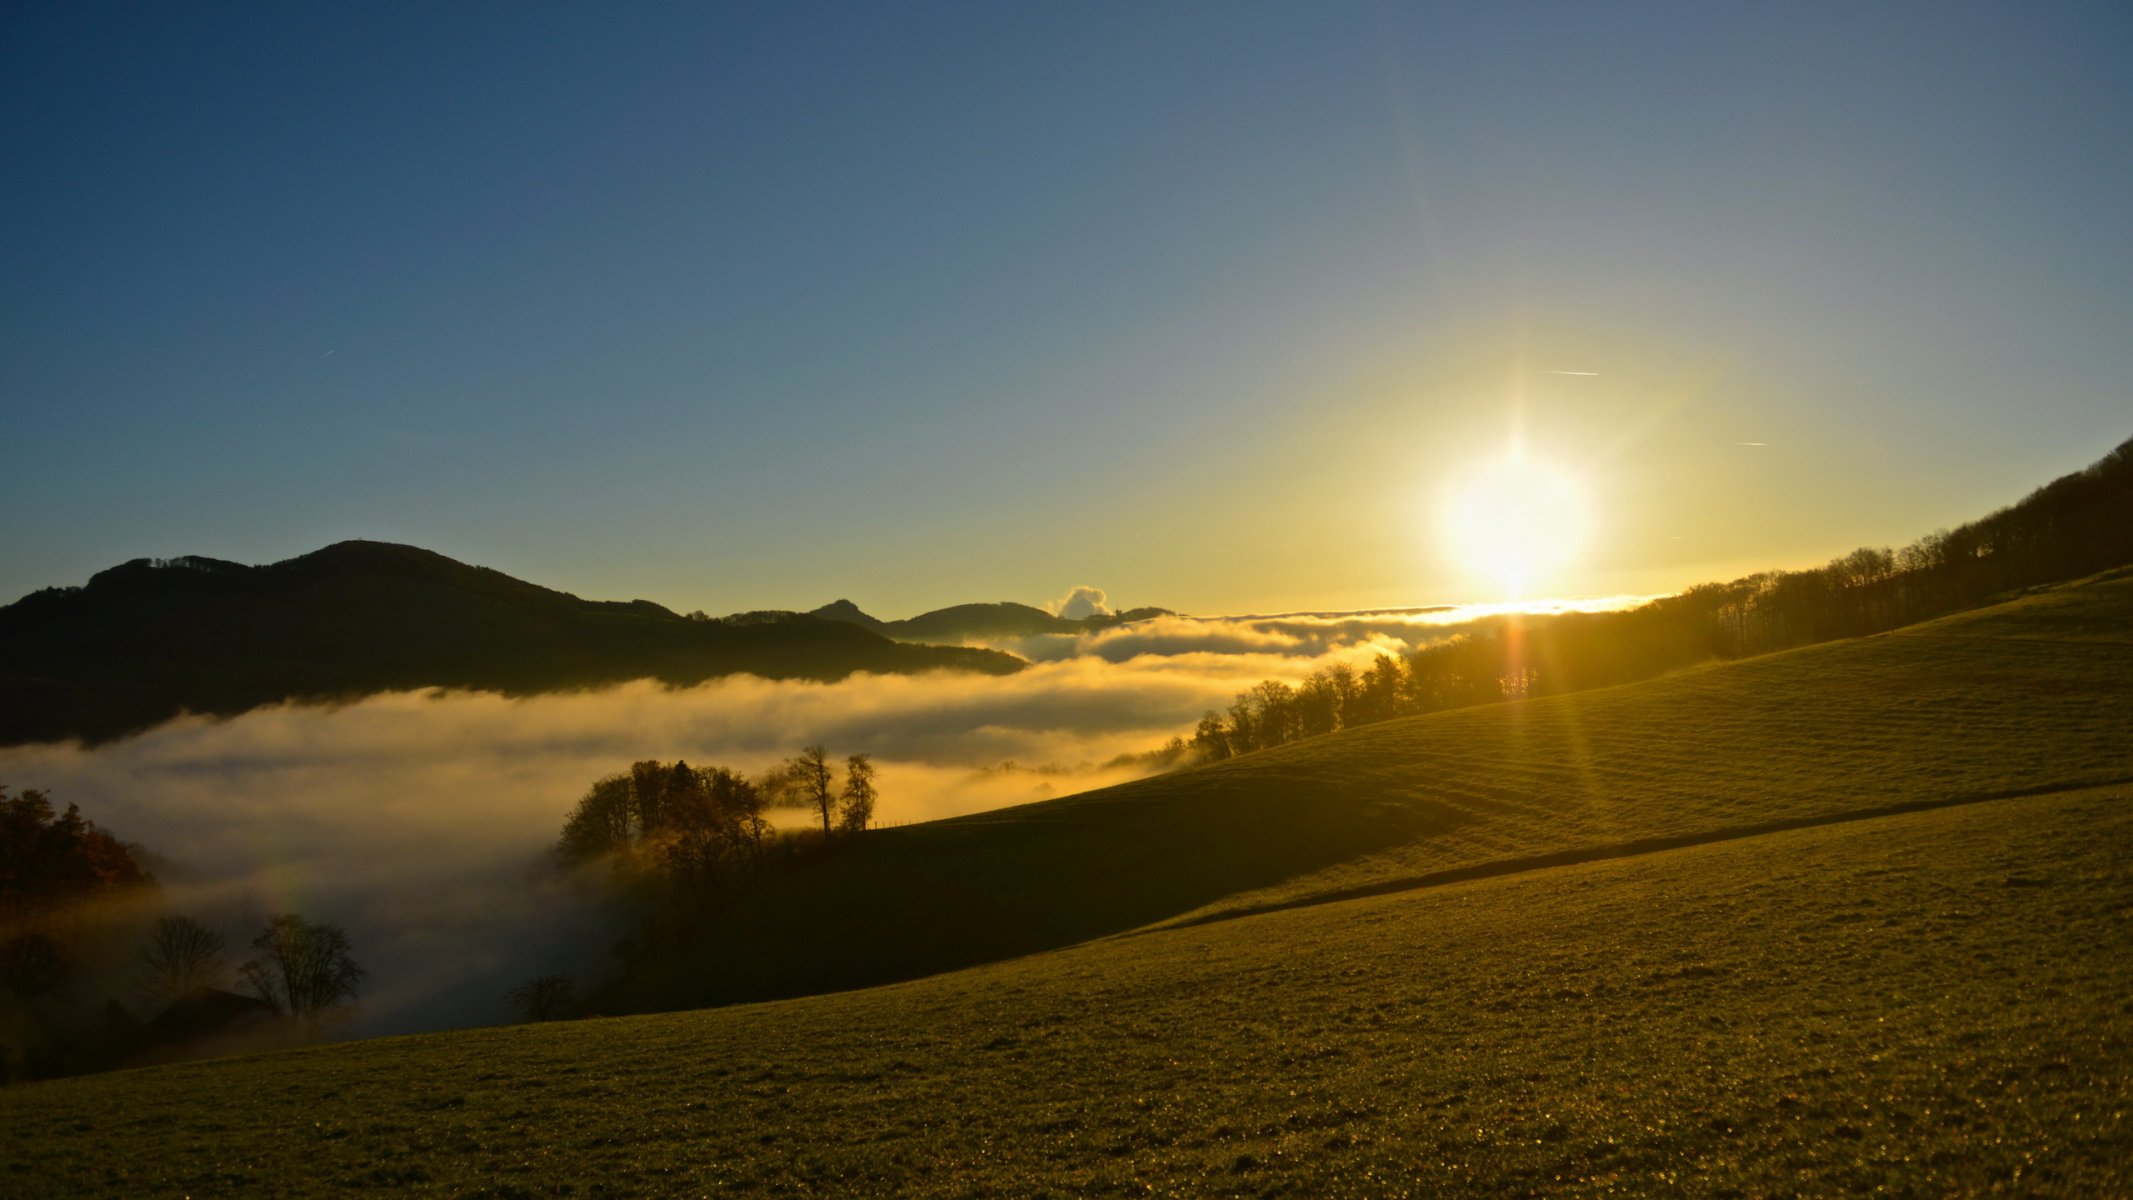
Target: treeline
2076,525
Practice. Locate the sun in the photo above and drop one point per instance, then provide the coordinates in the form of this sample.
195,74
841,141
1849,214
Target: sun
1515,525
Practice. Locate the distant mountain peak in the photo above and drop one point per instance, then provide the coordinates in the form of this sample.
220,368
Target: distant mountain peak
850,614
843,610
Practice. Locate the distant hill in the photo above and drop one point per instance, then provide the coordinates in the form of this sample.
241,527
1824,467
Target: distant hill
145,640
968,622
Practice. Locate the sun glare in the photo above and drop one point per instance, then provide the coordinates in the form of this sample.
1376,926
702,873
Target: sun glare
1515,525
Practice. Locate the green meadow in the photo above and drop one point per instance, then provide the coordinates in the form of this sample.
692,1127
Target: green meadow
1847,919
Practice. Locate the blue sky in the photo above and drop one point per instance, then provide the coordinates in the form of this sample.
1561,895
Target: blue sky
738,307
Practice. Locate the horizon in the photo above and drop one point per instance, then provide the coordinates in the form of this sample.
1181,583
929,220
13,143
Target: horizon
1104,604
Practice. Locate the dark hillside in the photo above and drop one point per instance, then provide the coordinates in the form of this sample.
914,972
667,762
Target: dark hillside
147,639
1005,619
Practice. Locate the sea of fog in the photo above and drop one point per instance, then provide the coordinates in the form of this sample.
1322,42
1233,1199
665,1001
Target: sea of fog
418,821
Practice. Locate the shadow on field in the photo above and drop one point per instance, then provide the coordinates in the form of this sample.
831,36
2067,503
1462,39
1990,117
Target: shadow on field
1632,849
914,901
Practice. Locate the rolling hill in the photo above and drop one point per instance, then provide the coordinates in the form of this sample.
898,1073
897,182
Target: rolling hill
2025,696
146,640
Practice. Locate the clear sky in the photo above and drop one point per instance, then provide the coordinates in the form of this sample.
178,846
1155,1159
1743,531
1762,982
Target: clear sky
1210,305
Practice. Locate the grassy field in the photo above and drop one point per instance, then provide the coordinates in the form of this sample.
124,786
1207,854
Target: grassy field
1564,947
2025,697
1928,1004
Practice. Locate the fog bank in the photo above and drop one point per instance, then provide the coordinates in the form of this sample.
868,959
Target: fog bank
418,820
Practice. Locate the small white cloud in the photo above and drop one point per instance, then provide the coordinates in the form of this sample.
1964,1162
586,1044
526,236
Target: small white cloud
1082,602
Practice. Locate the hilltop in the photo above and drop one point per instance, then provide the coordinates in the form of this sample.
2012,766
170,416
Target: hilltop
148,639
970,622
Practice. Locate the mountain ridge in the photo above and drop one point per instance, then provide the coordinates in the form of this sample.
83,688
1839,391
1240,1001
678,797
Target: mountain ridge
998,619
143,641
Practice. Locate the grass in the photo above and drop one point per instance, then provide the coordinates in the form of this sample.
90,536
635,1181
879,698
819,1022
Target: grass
1928,1004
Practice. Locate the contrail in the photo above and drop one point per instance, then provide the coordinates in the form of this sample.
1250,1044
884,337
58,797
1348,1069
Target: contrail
1570,373
1751,443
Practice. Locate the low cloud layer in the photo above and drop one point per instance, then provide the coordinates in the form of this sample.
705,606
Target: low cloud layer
418,820
1290,635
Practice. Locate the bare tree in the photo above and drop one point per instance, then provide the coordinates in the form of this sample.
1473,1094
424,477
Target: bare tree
182,956
857,801
303,969
807,783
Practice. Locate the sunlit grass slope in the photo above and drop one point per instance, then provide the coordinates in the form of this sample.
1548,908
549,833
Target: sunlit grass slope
1933,1003
2027,696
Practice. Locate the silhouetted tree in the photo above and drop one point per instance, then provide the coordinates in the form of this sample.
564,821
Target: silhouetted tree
1211,739
602,823
1243,725
303,969
1378,694
714,818
808,784
181,956
1273,705
1317,705
648,795
740,802
545,997
856,802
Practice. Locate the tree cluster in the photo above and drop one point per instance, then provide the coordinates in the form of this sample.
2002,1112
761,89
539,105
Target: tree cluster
2074,526
688,819
709,822
49,859
686,843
